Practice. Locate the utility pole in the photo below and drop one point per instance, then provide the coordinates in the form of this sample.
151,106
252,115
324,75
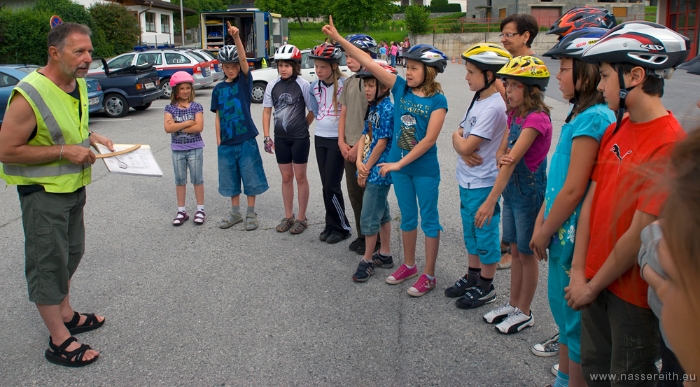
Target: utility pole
182,23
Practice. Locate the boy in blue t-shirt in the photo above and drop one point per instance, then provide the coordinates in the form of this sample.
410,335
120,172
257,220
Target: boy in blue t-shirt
238,152
373,150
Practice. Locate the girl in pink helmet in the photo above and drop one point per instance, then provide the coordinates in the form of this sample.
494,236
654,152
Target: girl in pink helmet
184,120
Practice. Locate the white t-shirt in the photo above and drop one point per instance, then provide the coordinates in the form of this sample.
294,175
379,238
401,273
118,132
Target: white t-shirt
486,119
327,117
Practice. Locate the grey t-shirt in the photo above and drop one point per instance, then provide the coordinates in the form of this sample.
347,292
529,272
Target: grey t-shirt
649,255
353,97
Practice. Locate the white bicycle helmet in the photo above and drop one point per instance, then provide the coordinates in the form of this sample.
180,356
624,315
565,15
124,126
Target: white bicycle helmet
288,52
228,54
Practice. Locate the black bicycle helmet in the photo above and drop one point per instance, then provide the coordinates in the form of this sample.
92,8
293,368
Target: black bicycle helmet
364,42
326,52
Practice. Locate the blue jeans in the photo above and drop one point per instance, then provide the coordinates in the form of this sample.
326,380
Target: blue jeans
375,208
485,241
522,199
193,160
425,189
241,163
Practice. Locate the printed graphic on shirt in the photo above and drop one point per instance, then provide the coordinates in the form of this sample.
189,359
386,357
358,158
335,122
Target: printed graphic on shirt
407,138
325,104
287,96
372,122
231,118
616,150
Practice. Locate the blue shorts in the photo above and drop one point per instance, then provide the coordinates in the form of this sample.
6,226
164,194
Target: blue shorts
425,189
568,320
522,199
375,208
241,163
188,159
485,241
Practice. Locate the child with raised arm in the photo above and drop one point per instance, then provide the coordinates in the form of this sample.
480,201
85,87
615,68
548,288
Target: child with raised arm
482,128
184,119
419,112
372,150
289,95
238,153
522,181
622,200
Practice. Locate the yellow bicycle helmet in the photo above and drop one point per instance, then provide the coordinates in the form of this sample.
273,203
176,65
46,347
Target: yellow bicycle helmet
487,56
529,70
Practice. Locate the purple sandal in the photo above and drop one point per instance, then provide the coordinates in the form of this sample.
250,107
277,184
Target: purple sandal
180,218
199,217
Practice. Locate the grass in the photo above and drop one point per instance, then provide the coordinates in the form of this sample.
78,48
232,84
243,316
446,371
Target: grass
650,14
311,35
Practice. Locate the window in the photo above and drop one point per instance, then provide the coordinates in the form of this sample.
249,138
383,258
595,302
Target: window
172,58
150,22
165,24
7,80
152,58
121,62
502,13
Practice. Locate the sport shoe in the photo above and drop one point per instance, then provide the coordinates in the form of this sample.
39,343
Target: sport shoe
555,370
516,322
251,221
324,234
476,296
422,286
402,274
354,244
382,261
459,288
499,314
231,220
547,348
364,271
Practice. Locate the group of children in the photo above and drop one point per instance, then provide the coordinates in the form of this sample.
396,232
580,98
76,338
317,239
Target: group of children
589,211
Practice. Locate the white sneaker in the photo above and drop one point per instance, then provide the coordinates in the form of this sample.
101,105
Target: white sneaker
547,348
499,314
516,322
555,369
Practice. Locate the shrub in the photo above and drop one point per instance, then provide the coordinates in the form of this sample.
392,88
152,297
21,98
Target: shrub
417,19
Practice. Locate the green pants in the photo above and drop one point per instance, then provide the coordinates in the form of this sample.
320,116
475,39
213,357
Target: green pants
54,236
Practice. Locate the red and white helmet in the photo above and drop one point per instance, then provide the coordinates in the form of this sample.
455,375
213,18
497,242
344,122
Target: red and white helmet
288,52
644,44
326,52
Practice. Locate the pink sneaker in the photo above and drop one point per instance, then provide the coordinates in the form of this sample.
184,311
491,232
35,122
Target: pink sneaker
402,274
422,286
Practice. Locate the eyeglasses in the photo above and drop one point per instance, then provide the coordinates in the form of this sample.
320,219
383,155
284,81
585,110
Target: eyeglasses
513,85
508,35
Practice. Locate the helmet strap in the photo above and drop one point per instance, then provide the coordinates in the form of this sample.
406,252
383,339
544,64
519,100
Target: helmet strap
487,84
624,91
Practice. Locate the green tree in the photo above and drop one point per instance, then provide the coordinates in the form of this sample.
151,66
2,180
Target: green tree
23,36
417,19
120,26
295,9
353,14
76,13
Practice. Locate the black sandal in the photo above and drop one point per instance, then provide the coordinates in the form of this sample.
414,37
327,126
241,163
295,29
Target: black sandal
90,323
57,354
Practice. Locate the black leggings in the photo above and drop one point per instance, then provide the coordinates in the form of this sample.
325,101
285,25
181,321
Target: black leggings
331,165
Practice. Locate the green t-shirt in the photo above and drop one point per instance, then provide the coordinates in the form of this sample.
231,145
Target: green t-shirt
353,98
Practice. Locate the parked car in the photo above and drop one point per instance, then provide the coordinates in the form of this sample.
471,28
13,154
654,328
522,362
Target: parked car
166,62
217,71
10,75
261,77
131,86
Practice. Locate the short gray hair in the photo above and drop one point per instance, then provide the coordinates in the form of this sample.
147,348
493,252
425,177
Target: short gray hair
58,35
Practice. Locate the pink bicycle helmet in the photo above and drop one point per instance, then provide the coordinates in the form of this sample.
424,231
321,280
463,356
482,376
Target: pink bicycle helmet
181,77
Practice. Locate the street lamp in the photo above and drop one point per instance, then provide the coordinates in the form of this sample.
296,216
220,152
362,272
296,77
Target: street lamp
182,24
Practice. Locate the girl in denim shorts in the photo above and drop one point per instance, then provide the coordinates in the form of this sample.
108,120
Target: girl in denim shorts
522,160
184,120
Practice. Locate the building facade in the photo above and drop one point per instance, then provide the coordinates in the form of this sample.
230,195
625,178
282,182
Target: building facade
681,16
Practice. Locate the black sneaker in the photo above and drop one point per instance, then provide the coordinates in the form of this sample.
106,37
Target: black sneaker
476,297
364,271
459,288
381,261
324,235
356,243
335,237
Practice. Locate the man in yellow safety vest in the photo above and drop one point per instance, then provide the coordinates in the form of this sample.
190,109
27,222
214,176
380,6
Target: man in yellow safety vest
44,150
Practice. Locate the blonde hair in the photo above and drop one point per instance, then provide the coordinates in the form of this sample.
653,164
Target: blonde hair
430,86
173,93
533,101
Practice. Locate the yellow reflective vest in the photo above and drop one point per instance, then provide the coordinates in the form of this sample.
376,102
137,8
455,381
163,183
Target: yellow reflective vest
58,122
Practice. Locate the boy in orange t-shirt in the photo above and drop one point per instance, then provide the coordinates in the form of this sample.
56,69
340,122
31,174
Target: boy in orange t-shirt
619,333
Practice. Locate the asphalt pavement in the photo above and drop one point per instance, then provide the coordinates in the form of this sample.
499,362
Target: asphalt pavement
200,306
